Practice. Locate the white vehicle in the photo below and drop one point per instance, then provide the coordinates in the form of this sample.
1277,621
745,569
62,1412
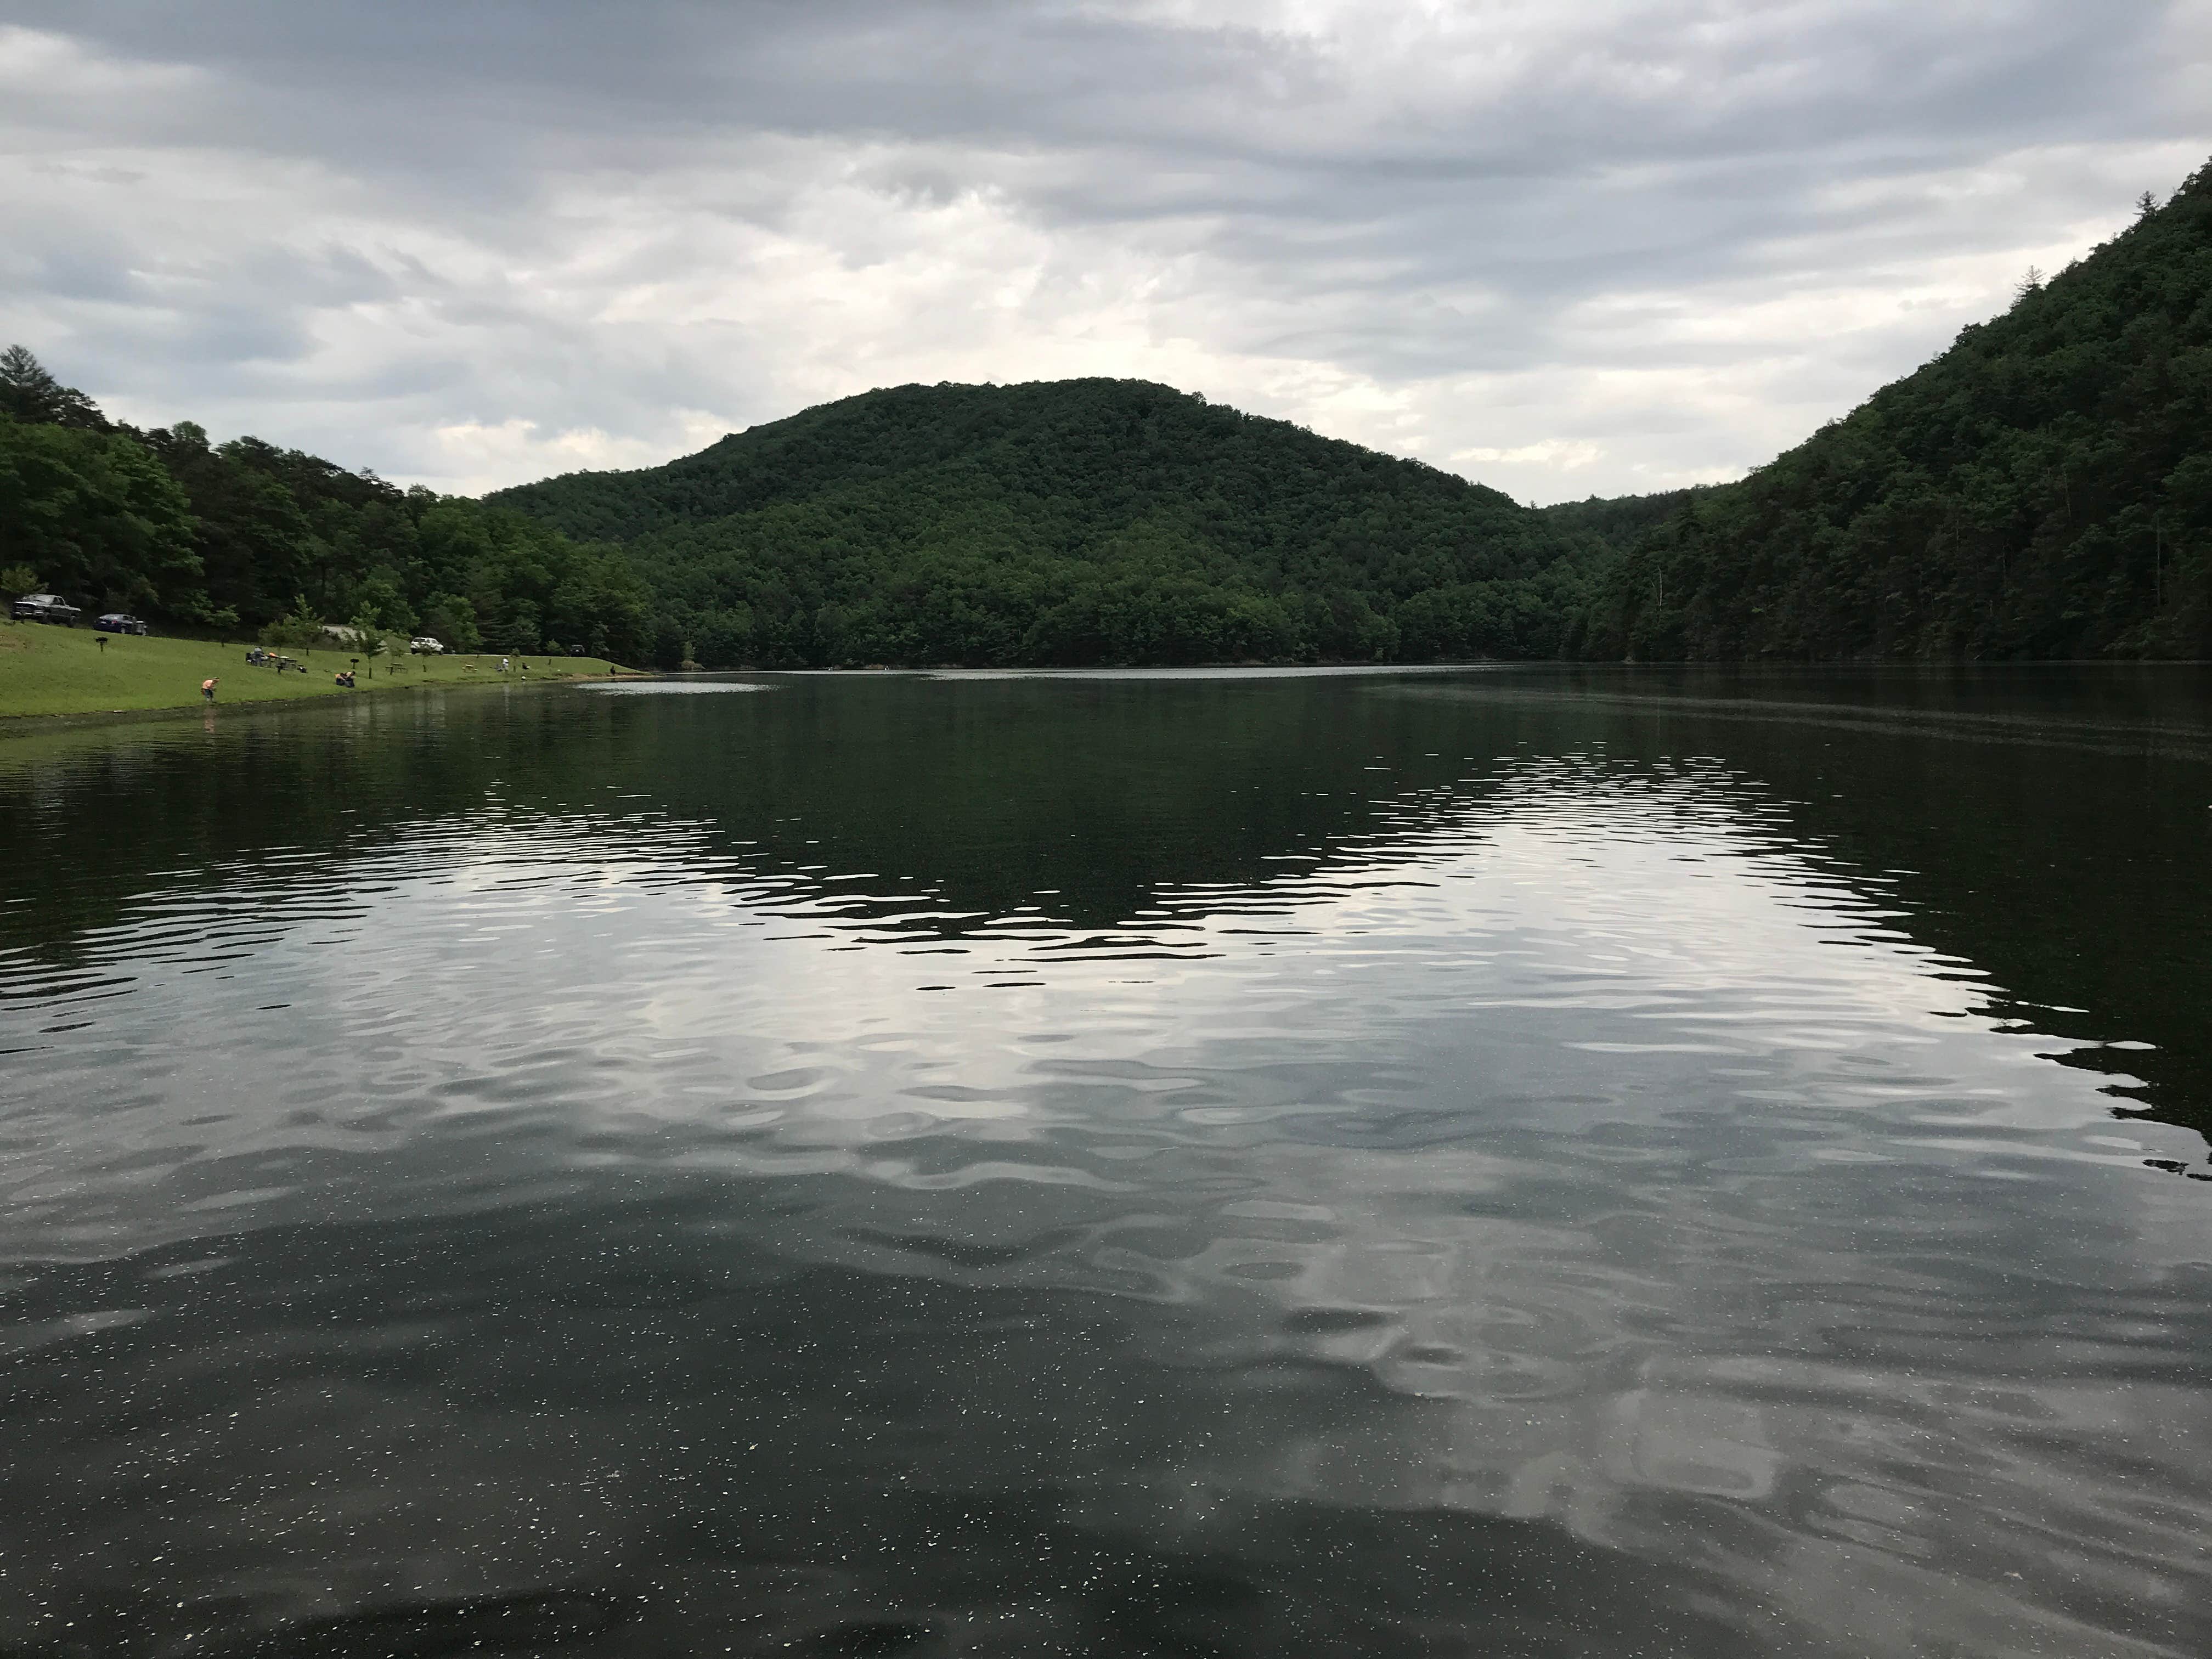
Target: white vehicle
426,646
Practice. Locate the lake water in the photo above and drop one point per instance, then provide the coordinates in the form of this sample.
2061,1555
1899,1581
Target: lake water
1509,1163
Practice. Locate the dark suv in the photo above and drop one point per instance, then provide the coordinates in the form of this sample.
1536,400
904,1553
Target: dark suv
46,608
116,622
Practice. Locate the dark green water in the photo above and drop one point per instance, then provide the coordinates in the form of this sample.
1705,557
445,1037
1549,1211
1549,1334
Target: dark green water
1515,1163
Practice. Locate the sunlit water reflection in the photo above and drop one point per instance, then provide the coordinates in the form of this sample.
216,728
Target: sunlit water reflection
1486,1187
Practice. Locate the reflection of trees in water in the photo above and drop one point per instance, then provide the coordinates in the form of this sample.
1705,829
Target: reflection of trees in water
2046,828
1625,1292
2073,874
979,793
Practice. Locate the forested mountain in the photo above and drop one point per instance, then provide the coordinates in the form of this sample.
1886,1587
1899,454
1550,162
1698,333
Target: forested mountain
2044,489
233,537
1071,522
1619,522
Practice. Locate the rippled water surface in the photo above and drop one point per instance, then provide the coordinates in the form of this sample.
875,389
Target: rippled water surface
1500,1163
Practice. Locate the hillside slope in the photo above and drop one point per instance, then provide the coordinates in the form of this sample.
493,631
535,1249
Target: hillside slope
244,538
2043,489
1619,522
1071,522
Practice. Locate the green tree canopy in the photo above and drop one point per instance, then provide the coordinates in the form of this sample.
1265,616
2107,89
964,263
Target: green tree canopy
95,515
2044,489
1070,522
167,523
30,394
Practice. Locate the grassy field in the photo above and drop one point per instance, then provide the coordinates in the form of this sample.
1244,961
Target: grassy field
45,670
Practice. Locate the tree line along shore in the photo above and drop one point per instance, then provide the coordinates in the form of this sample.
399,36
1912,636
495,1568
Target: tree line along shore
2042,489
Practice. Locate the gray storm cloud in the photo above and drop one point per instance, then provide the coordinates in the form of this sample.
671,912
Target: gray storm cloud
1564,247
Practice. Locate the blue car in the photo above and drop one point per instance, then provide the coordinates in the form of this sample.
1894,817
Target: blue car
116,622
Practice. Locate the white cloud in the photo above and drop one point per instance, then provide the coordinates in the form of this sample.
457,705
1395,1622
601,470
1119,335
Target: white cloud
1551,453
477,457
1565,248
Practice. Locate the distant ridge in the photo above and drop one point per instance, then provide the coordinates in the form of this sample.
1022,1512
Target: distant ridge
2042,489
1071,522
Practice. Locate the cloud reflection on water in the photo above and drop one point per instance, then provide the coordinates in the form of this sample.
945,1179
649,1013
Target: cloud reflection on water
1566,1141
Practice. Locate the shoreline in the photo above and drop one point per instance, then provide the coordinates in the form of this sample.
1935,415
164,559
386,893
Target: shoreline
52,677
26,725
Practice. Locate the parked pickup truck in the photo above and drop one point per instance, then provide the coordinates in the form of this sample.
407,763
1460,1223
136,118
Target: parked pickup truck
45,608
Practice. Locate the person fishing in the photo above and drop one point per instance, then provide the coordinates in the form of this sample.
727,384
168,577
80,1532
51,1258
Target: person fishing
207,688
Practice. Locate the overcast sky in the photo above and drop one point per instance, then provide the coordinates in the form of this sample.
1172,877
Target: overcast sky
1563,246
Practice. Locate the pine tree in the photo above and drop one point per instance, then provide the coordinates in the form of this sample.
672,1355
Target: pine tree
31,394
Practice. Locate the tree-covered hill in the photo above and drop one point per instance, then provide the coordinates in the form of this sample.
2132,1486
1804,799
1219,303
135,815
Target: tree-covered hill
1071,522
1619,522
2043,489
244,538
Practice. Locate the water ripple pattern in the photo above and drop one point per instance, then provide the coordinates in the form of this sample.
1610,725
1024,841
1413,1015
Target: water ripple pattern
908,1166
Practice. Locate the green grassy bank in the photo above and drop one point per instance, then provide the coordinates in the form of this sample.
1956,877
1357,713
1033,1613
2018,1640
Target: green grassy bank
46,670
